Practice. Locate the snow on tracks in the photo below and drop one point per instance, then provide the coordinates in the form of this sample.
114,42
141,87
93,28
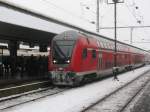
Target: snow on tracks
76,99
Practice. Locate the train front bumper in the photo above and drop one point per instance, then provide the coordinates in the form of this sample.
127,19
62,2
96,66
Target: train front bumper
63,77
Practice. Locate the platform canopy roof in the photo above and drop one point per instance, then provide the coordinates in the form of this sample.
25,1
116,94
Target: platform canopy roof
23,24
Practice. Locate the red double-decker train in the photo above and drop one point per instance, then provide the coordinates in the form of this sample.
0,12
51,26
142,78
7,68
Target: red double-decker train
76,57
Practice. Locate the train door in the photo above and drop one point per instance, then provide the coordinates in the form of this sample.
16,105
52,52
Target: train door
99,65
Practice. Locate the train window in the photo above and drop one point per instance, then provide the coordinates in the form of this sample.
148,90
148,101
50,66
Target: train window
84,54
88,41
113,46
101,44
93,53
110,46
98,43
62,50
105,45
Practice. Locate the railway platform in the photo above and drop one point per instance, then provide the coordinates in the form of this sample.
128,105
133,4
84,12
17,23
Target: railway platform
15,87
23,70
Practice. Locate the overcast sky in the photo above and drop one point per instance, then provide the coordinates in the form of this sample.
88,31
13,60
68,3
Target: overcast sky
75,12
128,13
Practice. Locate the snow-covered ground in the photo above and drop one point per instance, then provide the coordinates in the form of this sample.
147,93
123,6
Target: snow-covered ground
76,99
28,97
140,102
117,101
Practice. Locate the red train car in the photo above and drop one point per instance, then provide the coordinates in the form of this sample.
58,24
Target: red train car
76,57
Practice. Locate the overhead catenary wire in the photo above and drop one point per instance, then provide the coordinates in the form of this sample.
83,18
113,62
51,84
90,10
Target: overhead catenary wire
131,12
135,16
101,16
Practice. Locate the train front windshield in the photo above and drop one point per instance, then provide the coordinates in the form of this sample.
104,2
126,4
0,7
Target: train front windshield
62,51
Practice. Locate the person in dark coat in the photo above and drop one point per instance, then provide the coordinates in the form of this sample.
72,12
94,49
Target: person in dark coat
30,66
39,63
21,65
13,64
115,71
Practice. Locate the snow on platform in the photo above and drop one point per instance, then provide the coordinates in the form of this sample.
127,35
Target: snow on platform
74,100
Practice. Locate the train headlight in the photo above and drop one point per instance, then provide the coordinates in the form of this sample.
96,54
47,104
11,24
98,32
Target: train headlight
68,61
54,61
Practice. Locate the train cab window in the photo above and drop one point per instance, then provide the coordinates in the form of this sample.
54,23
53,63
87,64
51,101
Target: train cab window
62,51
93,53
84,53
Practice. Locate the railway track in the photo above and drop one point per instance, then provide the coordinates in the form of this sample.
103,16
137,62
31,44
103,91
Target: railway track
13,90
39,94
112,102
122,109
13,101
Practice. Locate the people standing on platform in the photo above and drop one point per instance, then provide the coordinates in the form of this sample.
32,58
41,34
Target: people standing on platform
42,63
13,65
45,64
21,65
39,64
5,67
35,67
30,66
115,72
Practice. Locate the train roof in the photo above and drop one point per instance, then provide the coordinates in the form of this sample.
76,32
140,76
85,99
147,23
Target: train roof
100,37
73,35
